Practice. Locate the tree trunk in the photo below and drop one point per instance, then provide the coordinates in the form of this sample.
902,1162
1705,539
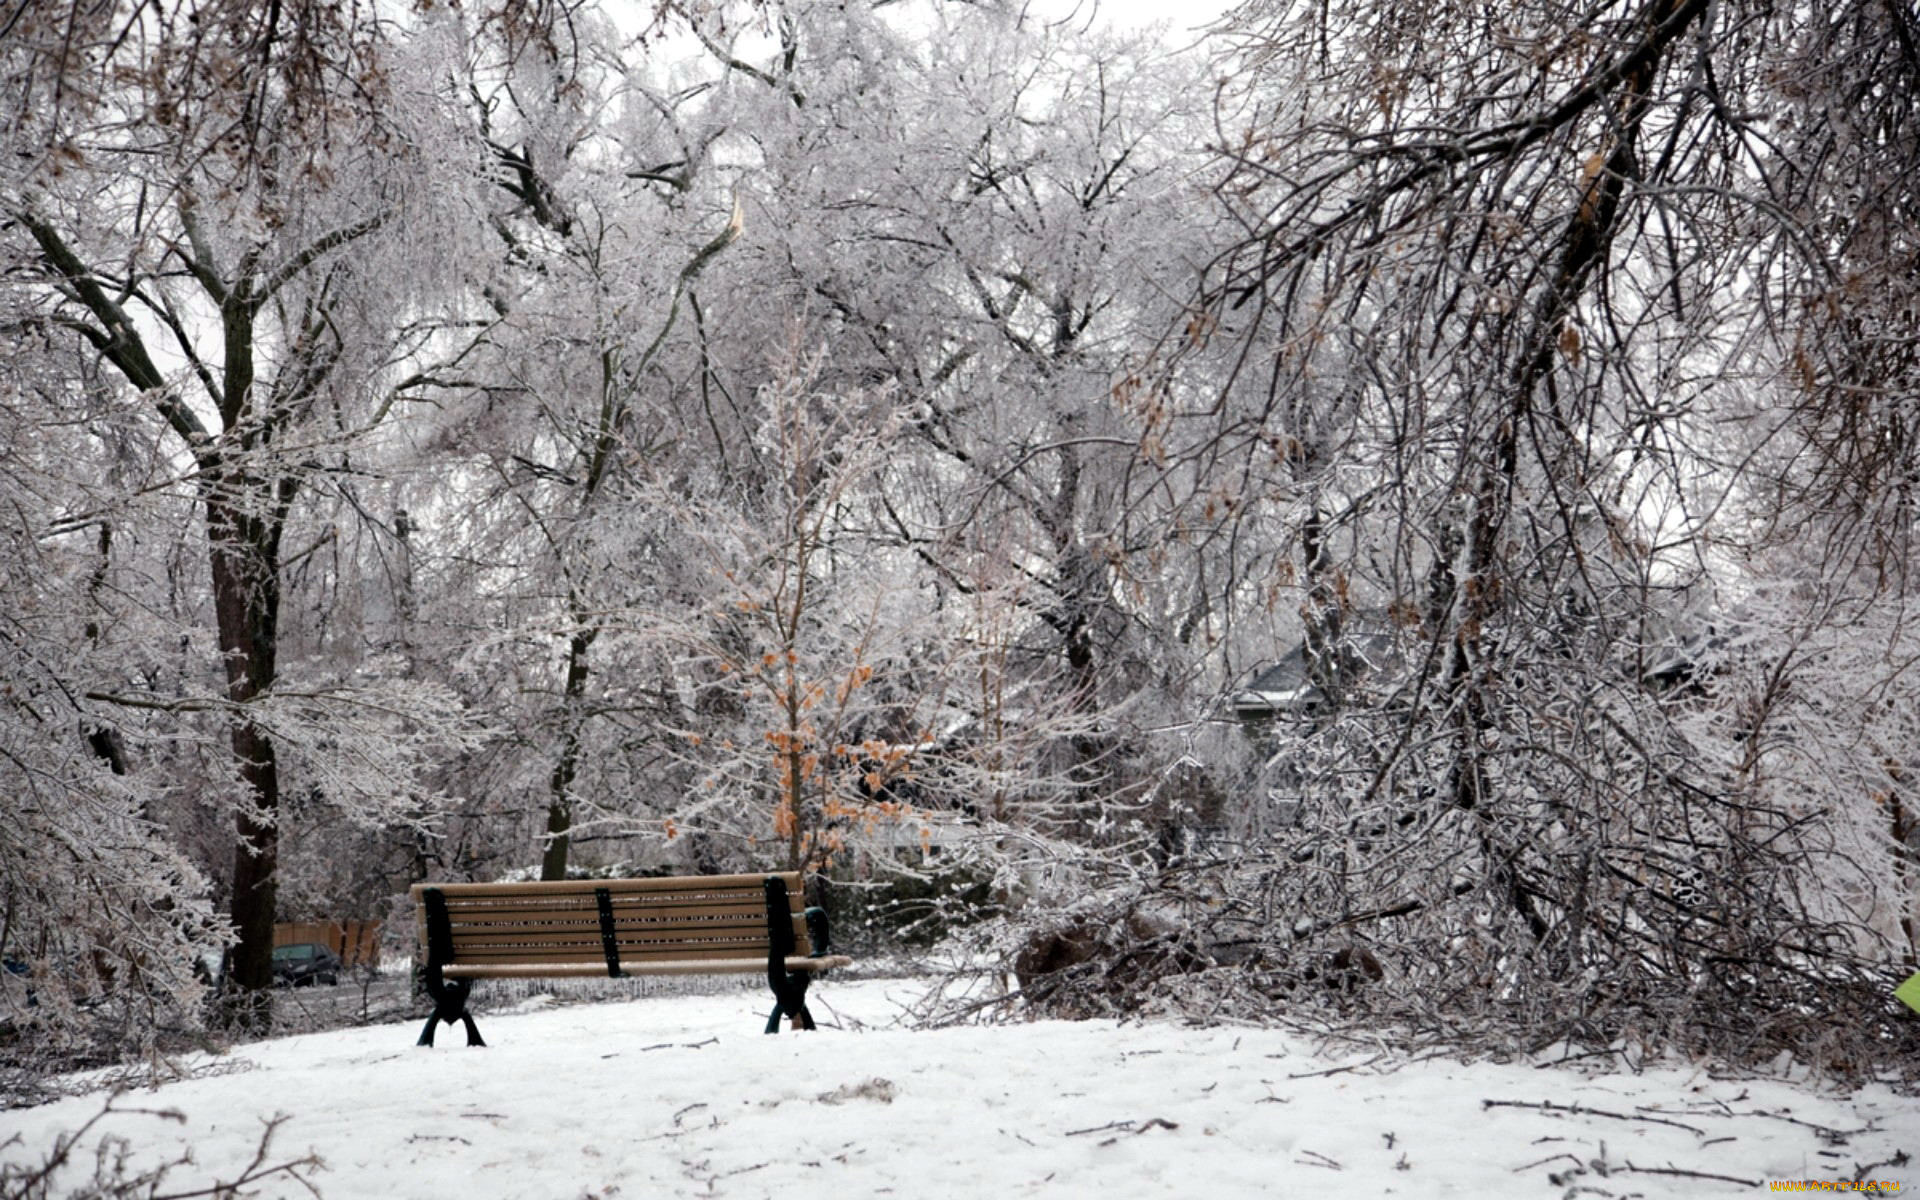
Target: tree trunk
246,511
553,860
1488,597
246,586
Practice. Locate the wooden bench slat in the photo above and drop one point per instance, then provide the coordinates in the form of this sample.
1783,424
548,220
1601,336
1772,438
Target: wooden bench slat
535,934
591,954
473,916
594,955
627,949
562,912
473,913
586,970
468,915
636,937
566,954
701,885
479,935
624,900
657,899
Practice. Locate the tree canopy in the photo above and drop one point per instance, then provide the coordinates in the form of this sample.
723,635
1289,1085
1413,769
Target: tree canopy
882,439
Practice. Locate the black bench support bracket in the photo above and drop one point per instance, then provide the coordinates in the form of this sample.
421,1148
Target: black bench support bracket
449,996
609,940
789,987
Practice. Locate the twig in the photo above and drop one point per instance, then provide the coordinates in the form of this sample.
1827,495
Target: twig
258,1170
954,1016
1550,1158
1603,1052
1135,1127
1629,1168
1580,1110
1333,1070
1899,1159
1826,1133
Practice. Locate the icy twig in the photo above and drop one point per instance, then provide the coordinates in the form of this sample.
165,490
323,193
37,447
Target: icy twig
1900,1159
1681,1172
1134,1127
1580,1110
1335,1070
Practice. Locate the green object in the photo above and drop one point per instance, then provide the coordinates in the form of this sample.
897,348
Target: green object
1908,993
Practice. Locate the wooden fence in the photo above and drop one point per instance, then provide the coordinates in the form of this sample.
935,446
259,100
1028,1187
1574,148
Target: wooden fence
356,942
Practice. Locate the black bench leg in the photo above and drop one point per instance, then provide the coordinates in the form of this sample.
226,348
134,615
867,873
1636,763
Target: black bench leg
473,1031
450,1005
789,987
789,999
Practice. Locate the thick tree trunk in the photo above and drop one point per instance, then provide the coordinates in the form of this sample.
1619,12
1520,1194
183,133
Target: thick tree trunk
246,586
553,860
246,510
256,859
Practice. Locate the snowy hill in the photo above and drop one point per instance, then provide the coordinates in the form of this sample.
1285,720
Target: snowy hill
685,1097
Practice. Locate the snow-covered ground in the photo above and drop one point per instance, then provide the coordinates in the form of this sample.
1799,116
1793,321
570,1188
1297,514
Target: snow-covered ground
684,1096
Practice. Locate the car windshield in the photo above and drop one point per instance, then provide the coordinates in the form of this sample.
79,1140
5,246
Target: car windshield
286,953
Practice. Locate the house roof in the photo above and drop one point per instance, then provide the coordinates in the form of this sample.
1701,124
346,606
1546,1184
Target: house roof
1287,685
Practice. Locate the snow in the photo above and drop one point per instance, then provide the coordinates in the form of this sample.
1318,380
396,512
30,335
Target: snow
683,1096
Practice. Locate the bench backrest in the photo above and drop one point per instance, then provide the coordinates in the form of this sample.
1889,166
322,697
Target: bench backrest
655,926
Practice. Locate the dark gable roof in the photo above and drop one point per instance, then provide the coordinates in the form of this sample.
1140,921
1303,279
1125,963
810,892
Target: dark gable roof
1286,686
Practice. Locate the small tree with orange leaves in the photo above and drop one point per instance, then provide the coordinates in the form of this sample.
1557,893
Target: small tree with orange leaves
810,655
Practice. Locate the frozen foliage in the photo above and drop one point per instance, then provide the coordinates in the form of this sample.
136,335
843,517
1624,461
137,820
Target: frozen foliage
1538,403
876,438
104,917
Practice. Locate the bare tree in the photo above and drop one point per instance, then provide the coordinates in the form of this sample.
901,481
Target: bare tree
200,225
983,218
1514,303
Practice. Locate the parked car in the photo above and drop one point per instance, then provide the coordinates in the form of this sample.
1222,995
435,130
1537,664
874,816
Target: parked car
11,970
305,963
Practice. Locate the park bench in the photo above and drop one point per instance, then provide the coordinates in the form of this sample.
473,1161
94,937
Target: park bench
696,925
